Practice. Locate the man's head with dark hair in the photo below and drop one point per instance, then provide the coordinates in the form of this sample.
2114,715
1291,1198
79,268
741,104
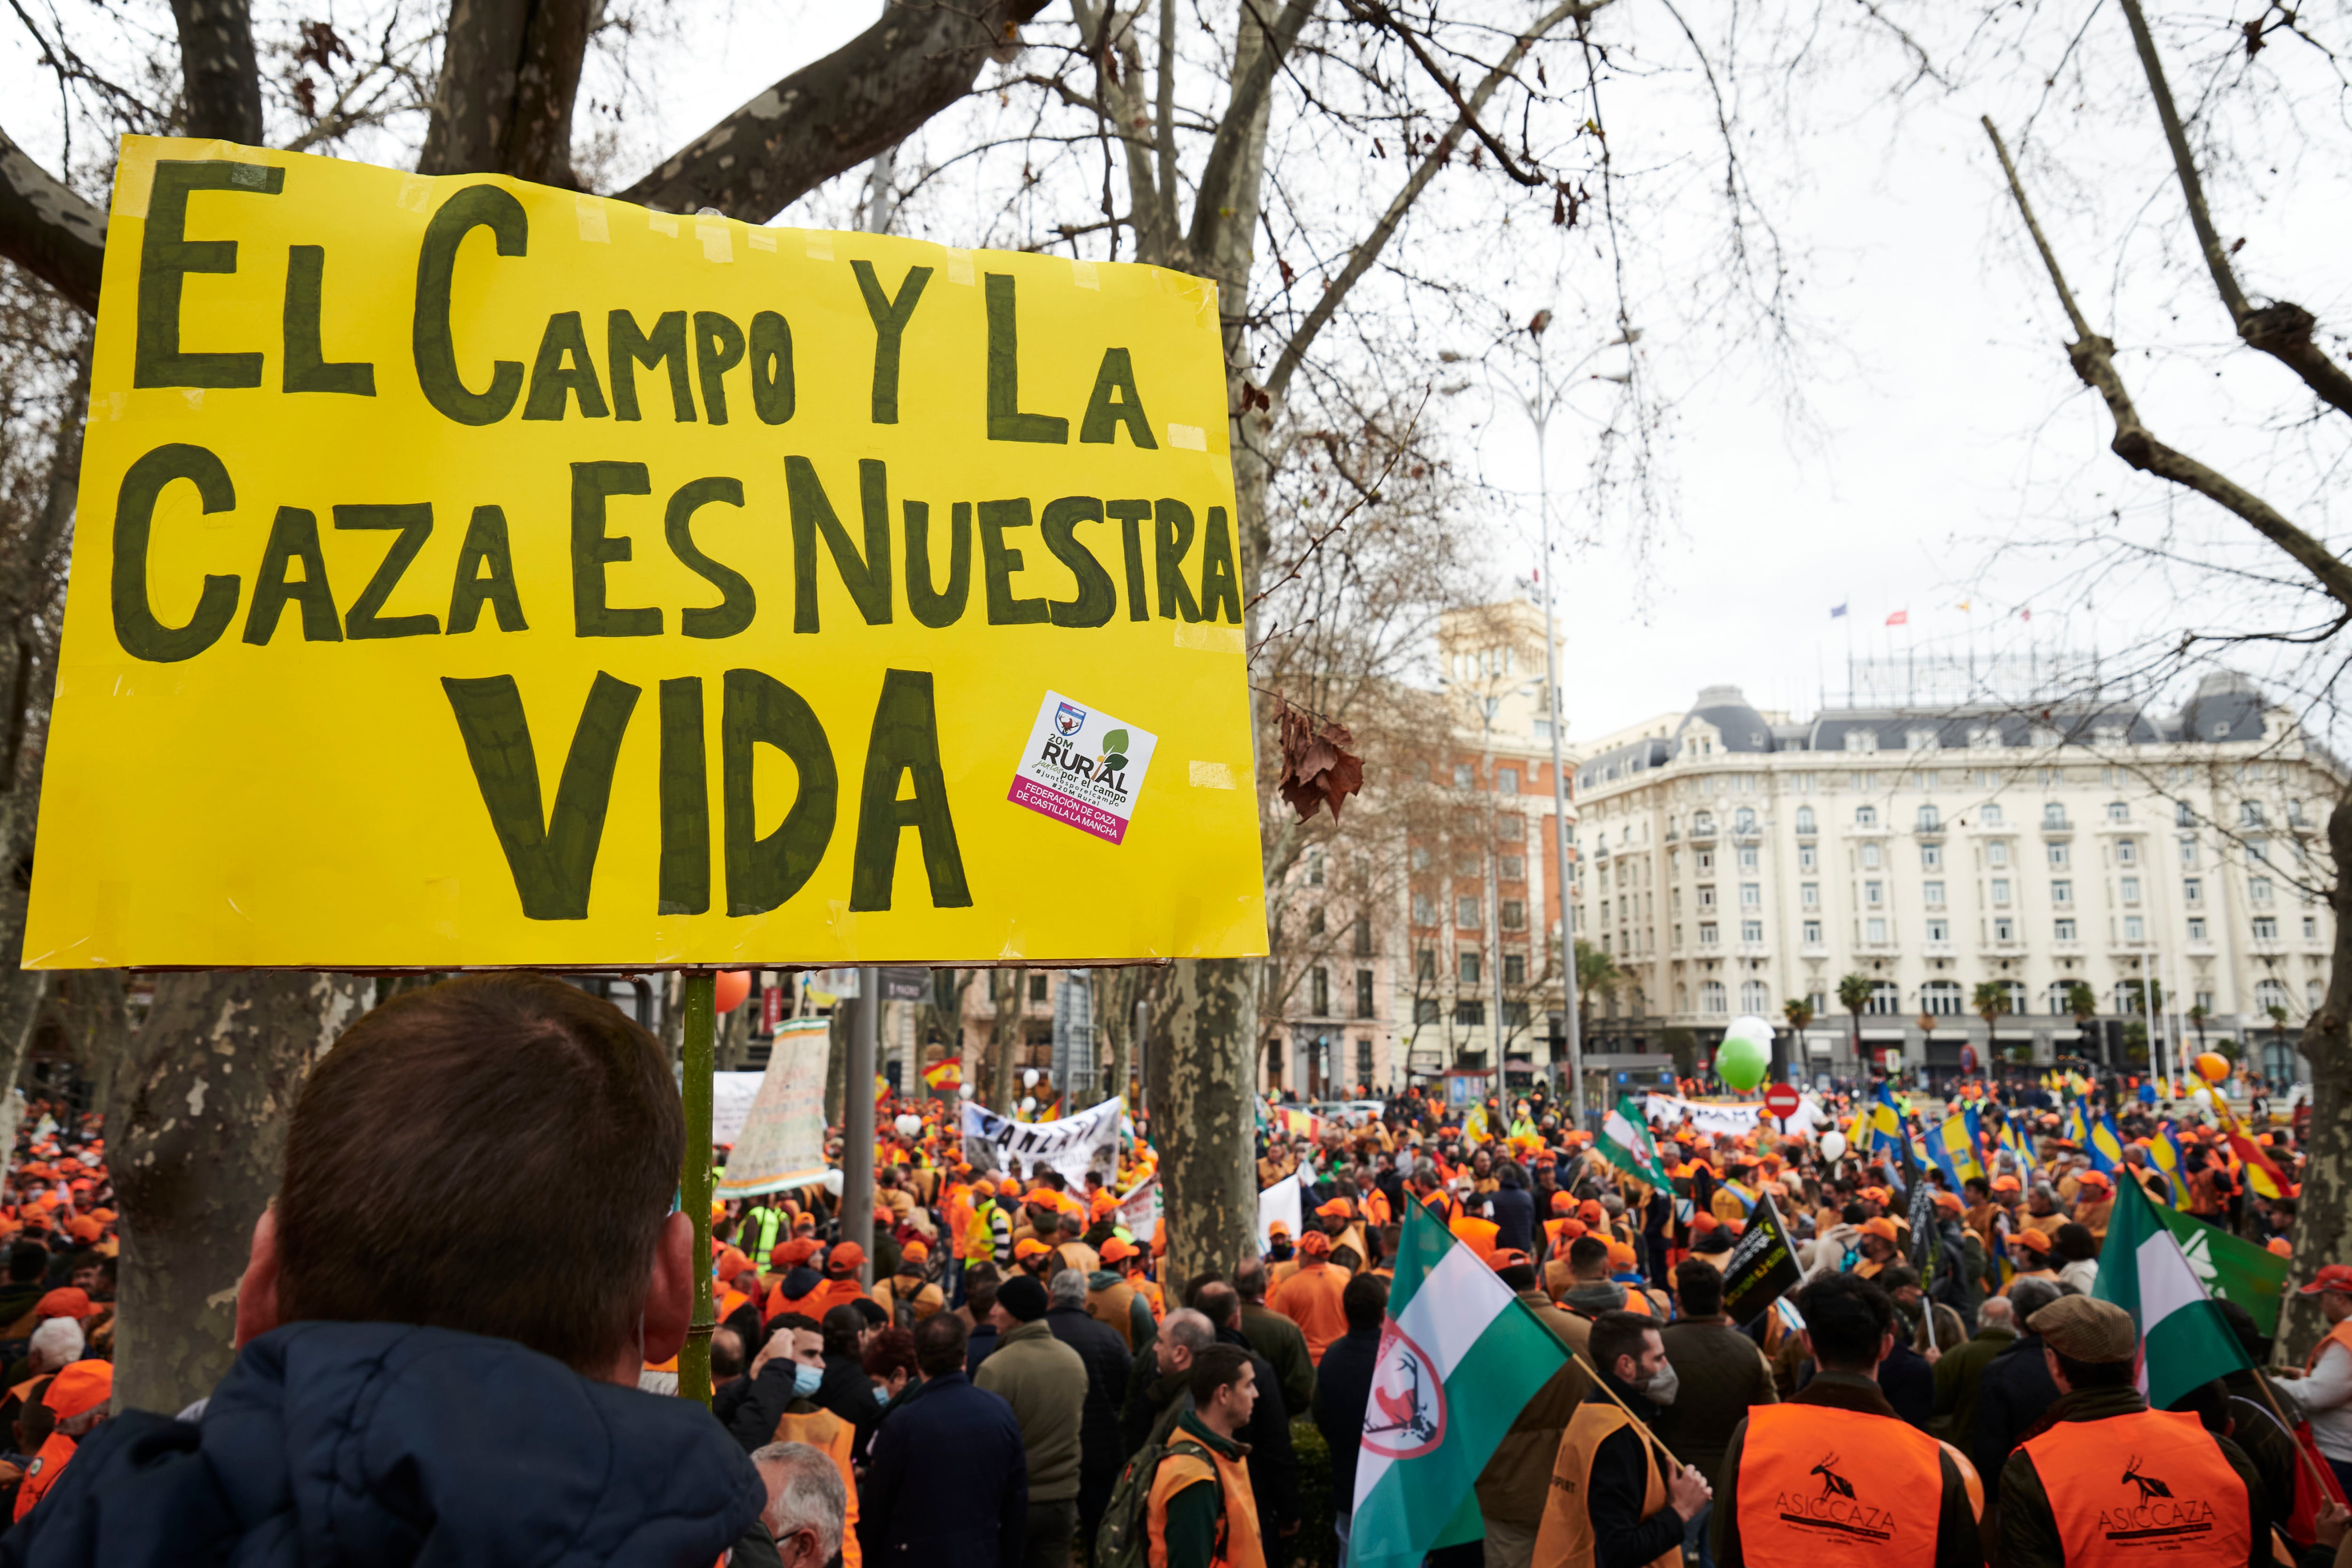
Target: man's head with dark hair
1215,1367
843,1328
1699,1289
2210,1403
726,1355
1364,1300
2248,1334
891,1351
27,1262
1588,1258
1219,1303
939,1341
1249,1279
1520,1276
2094,1373
980,1295
2074,1243
2030,1296
1194,1286
1847,1322
456,1138
1617,1336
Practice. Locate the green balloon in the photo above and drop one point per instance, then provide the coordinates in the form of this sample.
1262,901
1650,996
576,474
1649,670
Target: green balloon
1742,1062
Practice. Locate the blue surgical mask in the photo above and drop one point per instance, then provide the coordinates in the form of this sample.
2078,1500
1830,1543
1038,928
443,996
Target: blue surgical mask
804,1380
881,1395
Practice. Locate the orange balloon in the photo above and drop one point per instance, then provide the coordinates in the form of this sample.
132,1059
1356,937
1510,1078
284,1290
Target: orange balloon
733,986
2212,1066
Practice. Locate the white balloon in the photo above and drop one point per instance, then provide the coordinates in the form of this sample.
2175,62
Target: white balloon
1028,1102
911,1125
963,1091
1832,1145
2203,1097
1029,1078
1749,1027
833,1183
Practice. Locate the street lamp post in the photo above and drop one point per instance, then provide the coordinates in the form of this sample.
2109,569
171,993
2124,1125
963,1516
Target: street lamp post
1487,705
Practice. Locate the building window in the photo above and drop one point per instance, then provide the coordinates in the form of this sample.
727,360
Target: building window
1886,999
1364,996
1748,861
2270,993
1364,1063
1940,998
1755,997
2000,890
1319,992
2131,889
1930,820
1874,893
1511,867
1866,816
2188,851
2197,928
2058,856
1807,858
1861,740
1875,930
1989,816
2004,928
1037,987
1805,819
1706,932
1506,780
2119,811
1751,930
1464,776
1997,853
1743,821
1470,1013
2054,817
1515,1014
1931,856
1703,824
1939,930
2065,930
2249,814
1813,933
1513,914
1711,999
1934,893
1515,969
1315,867
2310,928
1751,896
2135,929
2127,851
1426,1010
1424,909
1869,858
1809,894
2061,892
1424,964
2192,889
1702,860
1466,966
1466,913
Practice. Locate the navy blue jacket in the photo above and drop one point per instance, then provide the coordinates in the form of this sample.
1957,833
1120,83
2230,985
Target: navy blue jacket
387,1444
949,1485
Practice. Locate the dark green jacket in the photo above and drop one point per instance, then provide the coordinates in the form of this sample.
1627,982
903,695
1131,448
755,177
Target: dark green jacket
1960,1373
1282,1344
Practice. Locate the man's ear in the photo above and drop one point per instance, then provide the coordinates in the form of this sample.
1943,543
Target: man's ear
669,1289
257,1293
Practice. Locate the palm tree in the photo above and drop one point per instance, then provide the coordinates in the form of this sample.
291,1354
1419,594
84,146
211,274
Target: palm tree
1596,974
2197,1016
1991,1000
1798,1012
2083,1004
1853,995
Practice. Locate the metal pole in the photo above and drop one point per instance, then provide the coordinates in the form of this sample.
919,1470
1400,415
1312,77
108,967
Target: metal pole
1142,1064
857,1121
699,1019
1568,988
1486,705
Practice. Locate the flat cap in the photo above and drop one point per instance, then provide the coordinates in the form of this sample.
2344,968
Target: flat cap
2082,1329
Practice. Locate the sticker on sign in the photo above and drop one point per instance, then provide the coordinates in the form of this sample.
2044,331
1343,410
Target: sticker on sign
1083,767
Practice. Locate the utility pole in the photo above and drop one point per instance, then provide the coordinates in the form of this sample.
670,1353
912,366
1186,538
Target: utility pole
857,1119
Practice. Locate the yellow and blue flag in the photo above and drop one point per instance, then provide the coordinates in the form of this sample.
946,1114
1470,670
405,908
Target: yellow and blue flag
1954,1151
1886,1124
2165,1155
2105,1147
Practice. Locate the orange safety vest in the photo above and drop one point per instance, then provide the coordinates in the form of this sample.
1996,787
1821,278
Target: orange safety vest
2149,1487
1858,1489
1478,1234
42,1472
2341,1334
1188,1462
824,1429
1564,1539
1638,1301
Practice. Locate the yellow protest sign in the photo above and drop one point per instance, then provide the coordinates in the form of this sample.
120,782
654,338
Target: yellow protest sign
470,573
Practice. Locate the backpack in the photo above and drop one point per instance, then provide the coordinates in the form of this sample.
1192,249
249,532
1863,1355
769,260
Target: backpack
1124,1540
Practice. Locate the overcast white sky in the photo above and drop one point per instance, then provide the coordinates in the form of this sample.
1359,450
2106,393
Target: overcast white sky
1943,417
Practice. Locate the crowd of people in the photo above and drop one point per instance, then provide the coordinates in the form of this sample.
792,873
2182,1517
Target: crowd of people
456,1323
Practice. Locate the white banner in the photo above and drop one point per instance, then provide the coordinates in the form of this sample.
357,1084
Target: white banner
783,1141
731,1095
1139,1210
1279,1202
1074,1145
1666,1110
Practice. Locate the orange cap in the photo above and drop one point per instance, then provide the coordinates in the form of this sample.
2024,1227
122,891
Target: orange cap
2033,1240
1620,1254
1029,1246
1951,1201
2005,1185
1338,1208
913,1252
64,1302
1563,1202
1507,1258
1117,1251
81,1388
1315,1244
1881,1227
731,1263
2092,1179
82,1227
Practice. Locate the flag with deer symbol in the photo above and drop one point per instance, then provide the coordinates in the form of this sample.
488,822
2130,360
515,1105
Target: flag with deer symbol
1459,1358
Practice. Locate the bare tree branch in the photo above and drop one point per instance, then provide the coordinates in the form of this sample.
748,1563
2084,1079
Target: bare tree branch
1213,202
2279,328
1380,16
2094,359
1368,250
49,230
511,69
839,111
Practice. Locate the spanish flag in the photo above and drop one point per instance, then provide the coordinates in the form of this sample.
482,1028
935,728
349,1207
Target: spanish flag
945,1073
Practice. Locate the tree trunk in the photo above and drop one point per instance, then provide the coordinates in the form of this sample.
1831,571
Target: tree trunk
220,83
2323,1215
1203,1025
1004,1043
196,1135
511,69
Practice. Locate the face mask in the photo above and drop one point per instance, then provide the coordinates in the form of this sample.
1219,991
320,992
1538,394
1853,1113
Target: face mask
804,1381
1662,1385
881,1395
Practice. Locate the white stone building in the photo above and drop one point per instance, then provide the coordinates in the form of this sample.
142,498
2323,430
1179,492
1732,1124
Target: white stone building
1732,860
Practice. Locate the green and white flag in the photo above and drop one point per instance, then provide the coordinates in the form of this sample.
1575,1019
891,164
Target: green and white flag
1625,1142
1459,1356
2232,1268
2184,1343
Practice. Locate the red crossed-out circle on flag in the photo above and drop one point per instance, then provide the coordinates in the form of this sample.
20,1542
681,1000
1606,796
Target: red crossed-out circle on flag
1406,1417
